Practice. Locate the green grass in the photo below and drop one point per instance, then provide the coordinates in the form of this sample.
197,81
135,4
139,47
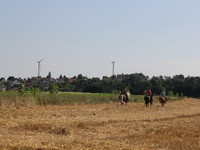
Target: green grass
63,98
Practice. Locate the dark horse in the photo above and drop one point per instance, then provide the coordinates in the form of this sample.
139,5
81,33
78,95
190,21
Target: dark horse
163,100
148,101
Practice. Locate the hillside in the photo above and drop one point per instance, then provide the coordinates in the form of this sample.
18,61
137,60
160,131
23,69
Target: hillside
102,126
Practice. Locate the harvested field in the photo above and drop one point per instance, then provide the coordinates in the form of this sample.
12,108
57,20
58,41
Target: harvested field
102,126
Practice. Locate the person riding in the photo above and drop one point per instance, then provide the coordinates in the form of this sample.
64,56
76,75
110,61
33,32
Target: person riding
149,93
163,94
124,91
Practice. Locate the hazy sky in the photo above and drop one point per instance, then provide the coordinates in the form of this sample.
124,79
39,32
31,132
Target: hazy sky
153,37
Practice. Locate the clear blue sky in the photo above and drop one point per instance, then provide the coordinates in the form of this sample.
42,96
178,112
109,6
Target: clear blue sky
153,37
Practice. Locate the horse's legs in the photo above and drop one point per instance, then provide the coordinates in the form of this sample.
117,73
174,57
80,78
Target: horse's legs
151,100
151,103
147,104
148,101
162,101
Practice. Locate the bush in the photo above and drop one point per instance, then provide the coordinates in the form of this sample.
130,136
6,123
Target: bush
53,89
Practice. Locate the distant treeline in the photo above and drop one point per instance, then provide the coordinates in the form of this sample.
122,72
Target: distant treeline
136,83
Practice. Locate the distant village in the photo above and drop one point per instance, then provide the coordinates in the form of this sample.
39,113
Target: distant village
43,83
14,84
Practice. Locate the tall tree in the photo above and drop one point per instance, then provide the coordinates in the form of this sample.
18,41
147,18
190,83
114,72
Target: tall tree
49,75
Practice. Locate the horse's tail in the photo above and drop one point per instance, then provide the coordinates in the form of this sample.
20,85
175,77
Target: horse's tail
128,94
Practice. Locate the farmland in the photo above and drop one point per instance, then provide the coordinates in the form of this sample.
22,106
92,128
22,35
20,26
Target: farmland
106,125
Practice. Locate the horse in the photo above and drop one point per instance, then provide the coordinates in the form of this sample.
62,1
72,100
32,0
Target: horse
162,100
148,101
124,99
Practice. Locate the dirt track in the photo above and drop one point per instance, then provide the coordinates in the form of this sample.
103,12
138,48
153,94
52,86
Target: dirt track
102,126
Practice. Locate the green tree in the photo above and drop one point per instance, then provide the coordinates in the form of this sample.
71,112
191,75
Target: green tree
34,90
22,89
53,89
49,75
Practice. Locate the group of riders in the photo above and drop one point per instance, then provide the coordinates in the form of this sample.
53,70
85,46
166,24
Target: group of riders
148,93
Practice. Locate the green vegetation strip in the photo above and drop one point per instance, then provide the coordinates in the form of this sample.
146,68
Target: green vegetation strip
63,98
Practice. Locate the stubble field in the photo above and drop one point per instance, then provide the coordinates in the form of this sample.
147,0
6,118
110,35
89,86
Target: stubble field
102,126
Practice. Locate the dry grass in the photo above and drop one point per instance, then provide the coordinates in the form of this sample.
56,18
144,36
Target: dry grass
102,126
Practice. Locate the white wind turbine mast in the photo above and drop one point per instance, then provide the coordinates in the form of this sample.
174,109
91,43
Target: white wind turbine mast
39,67
113,66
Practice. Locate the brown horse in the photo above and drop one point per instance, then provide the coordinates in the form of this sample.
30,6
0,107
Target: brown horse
163,100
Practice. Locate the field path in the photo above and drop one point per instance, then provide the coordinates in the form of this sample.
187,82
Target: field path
102,126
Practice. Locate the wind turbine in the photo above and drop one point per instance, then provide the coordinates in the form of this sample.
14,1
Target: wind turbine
39,67
113,66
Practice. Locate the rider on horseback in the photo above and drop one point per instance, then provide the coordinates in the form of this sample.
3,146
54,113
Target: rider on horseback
124,91
149,93
163,94
148,97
